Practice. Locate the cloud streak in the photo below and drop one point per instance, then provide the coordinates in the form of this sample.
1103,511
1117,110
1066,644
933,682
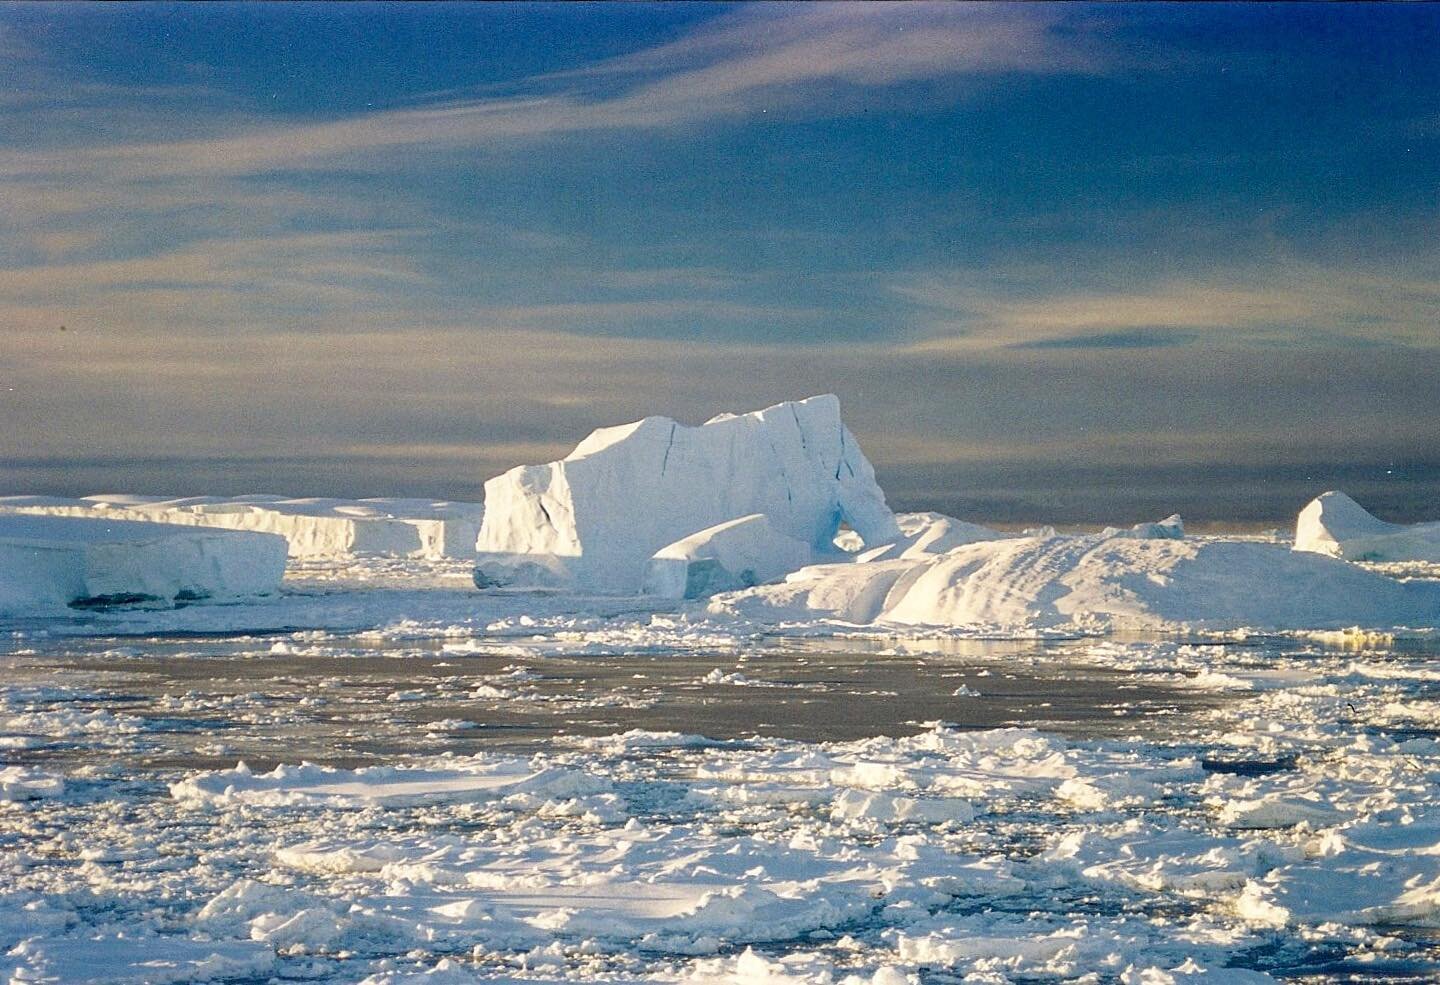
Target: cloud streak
794,59
1268,302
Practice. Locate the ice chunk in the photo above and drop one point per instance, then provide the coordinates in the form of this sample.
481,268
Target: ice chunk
1336,525
312,527
923,534
731,555
1189,972
1277,812
54,561
1170,528
466,781
891,809
26,783
1351,887
594,519
1095,582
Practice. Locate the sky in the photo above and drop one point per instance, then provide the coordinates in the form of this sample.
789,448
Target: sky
1072,263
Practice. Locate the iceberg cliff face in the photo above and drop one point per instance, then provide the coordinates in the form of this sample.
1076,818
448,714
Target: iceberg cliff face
1336,525
49,562
593,520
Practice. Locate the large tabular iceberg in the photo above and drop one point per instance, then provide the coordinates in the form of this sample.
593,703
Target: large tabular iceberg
47,562
1336,525
593,520
312,527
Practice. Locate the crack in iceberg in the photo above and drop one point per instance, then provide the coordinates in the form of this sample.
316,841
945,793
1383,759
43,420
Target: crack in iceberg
670,443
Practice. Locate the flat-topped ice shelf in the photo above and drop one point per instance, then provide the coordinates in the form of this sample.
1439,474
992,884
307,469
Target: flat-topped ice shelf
49,562
313,527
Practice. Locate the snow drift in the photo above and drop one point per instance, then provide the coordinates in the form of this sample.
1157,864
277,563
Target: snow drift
728,556
312,527
593,520
47,562
1336,525
926,534
1102,581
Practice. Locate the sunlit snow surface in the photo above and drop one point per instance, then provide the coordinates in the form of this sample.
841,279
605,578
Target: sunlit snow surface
527,787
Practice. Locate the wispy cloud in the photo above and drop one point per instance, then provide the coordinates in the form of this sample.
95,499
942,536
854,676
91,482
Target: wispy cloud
1269,301
210,286
200,233
1134,338
791,58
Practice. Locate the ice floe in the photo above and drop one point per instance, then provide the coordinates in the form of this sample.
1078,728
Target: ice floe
310,784
23,783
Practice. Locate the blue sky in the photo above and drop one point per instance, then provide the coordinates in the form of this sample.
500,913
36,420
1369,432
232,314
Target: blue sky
1074,262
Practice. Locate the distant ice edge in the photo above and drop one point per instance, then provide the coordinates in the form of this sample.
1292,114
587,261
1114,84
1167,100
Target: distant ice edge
312,527
50,563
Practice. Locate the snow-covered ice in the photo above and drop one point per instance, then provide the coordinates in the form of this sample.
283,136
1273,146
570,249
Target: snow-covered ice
20,783
312,527
49,562
730,555
593,520
925,534
1336,525
1095,582
310,784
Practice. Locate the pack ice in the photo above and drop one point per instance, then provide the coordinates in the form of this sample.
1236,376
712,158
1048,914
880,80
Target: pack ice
1336,525
312,527
49,562
593,520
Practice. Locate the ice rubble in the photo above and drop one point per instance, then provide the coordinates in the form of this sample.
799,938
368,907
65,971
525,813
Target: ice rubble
594,519
313,527
48,562
1336,525
728,556
1098,581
